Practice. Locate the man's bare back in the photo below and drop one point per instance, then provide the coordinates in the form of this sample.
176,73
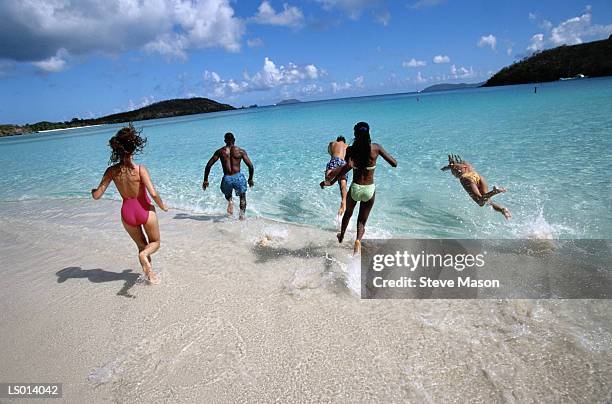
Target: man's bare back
337,149
233,180
231,157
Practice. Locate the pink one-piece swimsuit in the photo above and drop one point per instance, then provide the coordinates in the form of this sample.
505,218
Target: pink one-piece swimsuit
135,211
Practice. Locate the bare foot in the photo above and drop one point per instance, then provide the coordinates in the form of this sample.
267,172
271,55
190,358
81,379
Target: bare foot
147,269
357,247
241,215
153,279
230,207
499,189
340,237
506,213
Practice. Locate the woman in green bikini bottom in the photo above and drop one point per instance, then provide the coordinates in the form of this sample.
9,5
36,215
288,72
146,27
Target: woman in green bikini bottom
361,158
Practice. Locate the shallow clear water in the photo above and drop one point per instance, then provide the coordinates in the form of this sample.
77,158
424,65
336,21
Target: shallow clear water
551,150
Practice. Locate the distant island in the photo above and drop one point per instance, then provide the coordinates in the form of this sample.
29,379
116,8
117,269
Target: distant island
288,101
162,109
593,59
450,86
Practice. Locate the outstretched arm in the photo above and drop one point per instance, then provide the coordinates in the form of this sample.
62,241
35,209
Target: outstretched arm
388,158
209,165
146,179
249,164
97,193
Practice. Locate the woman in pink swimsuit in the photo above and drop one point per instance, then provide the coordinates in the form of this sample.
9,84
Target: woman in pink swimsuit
133,182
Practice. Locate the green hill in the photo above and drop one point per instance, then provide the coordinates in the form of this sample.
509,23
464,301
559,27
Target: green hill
593,59
162,109
166,109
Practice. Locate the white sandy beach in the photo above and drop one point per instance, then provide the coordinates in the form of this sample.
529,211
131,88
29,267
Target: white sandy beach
74,127
239,320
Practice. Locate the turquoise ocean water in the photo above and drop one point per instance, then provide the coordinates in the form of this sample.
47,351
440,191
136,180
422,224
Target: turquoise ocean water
552,150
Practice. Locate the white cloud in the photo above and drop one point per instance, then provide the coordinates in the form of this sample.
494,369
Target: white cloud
146,100
488,40
537,43
255,42
291,16
53,64
572,31
414,63
546,25
441,59
170,45
359,80
426,3
337,87
270,76
212,76
203,24
420,79
353,8
576,30
461,72
35,30
310,89
509,51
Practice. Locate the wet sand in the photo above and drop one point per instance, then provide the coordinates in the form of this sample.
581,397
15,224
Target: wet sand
260,311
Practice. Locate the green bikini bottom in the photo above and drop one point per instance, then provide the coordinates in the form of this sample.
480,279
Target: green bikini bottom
362,193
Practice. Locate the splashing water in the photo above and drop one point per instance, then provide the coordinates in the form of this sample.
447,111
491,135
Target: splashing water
539,228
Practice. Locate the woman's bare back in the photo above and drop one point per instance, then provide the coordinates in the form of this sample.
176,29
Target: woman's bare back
127,180
365,175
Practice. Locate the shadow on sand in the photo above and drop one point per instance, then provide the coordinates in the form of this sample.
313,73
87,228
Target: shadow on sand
99,275
202,218
335,281
268,253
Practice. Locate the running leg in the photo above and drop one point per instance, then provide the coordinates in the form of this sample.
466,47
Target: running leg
151,228
243,205
364,212
350,207
343,192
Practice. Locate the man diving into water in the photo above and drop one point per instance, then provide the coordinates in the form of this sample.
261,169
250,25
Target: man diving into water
337,151
231,157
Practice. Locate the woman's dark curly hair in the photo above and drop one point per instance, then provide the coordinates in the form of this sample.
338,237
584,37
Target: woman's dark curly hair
126,142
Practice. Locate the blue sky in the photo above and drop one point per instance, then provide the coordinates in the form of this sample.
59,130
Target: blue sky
61,59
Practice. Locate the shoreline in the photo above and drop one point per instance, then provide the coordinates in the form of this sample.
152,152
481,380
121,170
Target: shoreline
50,130
259,310
217,212
73,127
